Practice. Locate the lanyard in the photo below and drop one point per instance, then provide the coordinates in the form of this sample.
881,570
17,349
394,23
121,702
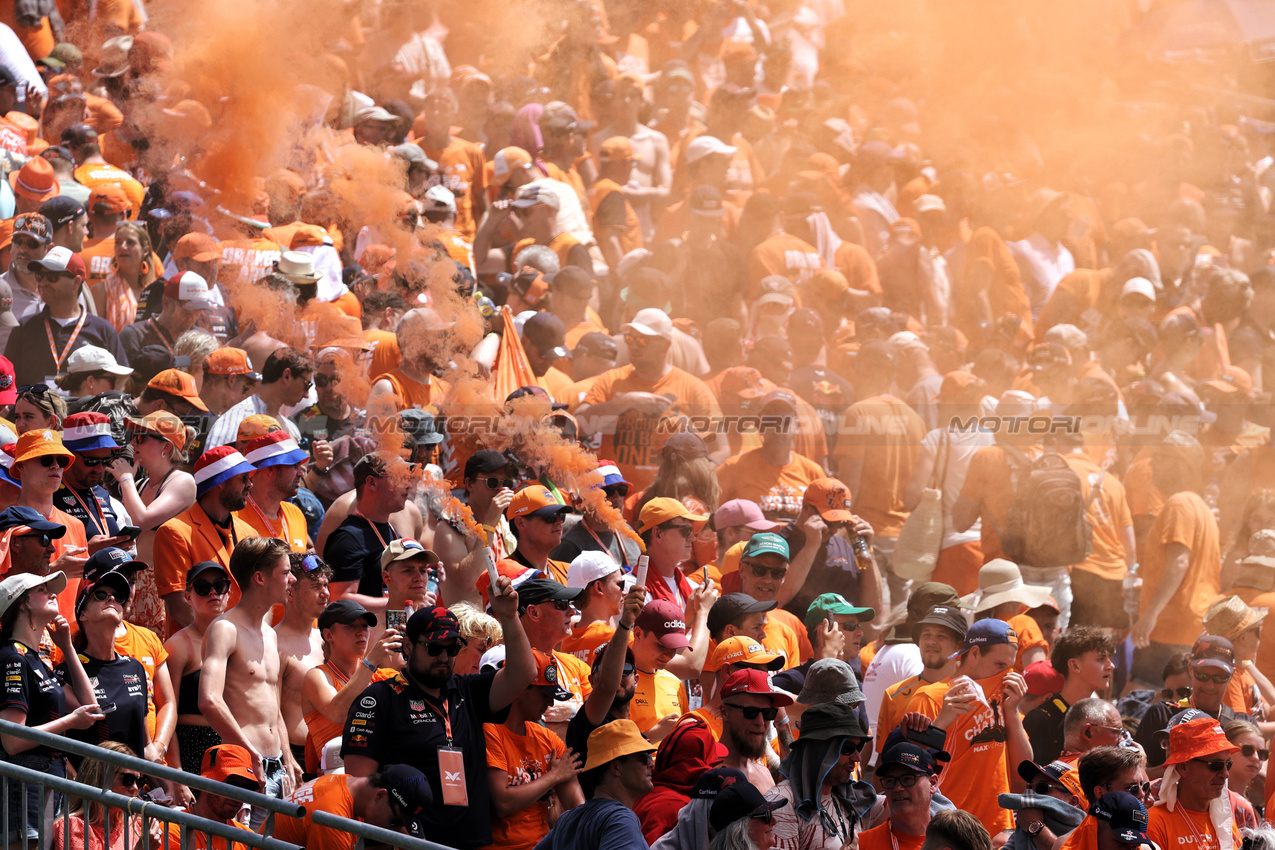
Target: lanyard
447,720
624,556
162,334
53,347
375,530
97,510
270,526
1200,840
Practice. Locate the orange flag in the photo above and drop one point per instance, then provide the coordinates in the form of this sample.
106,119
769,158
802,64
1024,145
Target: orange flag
513,370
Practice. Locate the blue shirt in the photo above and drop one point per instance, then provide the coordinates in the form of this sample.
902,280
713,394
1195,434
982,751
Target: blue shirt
600,824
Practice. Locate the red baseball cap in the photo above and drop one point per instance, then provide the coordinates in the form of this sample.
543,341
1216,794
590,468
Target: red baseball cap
667,621
755,682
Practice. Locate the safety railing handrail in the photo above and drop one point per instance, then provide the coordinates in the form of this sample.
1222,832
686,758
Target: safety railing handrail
60,744
145,808
374,833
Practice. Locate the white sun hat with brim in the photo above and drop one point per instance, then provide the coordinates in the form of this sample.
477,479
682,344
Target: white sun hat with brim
12,588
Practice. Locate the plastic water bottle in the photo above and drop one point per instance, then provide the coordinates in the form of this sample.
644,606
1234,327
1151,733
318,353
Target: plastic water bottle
431,585
1132,590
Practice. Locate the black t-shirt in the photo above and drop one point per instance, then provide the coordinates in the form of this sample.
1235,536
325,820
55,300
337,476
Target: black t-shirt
354,553
30,685
393,722
833,571
92,515
220,321
1157,720
1044,727
123,682
578,731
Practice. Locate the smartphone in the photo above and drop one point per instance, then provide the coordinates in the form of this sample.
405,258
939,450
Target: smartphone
934,739
395,618
107,708
130,531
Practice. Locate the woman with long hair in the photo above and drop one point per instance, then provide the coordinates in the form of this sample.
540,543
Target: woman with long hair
1248,763
134,269
119,780
33,697
38,406
158,440
686,473
207,592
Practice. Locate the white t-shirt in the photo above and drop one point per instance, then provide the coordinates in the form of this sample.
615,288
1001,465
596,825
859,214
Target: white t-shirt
959,447
891,665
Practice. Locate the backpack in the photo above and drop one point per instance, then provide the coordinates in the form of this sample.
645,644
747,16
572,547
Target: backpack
1047,525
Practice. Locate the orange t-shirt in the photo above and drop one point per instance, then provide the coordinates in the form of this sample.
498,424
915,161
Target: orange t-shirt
1185,519
893,706
781,640
386,356
412,393
988,482
461,165
289,527
95,174
554,381
573,674
1239,691
523,759
804,650
856,264
1085,837
1029,637
329,794
976,776
592,324
248,260
37,40
633,440
882,837
98,256
1108,513
1005,292
200,840
778,489
1184,828
584,642
885,435
630,235
782,254
320,730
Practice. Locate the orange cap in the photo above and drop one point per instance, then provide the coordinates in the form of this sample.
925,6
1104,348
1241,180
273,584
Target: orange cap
109,198
1196,739
742,650
615,740
617,149
199,247
162,424
830,498
744,382
178,383
34,444
955,388
256,425
660,510
507,161
1232,379
536,500
226,760
229,361
35,180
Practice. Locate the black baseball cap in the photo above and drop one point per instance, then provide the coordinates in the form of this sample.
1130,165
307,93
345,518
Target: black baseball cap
410,793
547,334
345,612
1125,814
202,567
738,800
539,590
111,559
1213,651
915,758
729,608
61,210
485,462
435,623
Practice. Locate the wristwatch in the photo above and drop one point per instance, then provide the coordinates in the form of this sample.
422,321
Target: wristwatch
1034,828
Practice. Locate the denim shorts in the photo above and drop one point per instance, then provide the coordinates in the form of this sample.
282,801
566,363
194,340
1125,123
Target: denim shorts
24,801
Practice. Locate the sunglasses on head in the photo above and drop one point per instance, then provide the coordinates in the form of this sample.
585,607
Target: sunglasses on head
42,536
310,563
1218,679
1247,750
34,389
322,381
1216,765
761,571
202,587
907,780
50,460
494,483
434,647
104,593
850,746
128,780
752,712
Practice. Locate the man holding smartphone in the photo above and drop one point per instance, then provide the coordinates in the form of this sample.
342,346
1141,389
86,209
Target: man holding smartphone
406,566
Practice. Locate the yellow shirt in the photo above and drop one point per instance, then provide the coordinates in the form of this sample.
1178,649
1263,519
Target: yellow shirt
657,696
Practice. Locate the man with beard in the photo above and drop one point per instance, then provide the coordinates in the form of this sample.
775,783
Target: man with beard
207,531
939,635
613,677
81,495
749,706
278,460
425,716
909,777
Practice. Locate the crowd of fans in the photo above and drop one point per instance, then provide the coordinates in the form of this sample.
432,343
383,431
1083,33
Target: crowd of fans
601,424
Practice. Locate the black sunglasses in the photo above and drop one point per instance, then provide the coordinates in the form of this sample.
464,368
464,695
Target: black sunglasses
322,381
752,712
562,605
203,588
34,389
97,461
613,490
1169,693
41,536
1219,679
104,593
128,780
685,530
1044,787
761,571
1216,765
437,648
50,460
494,483
850,746
1247,751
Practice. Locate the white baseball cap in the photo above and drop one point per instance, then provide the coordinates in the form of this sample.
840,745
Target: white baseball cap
438,199
493,659
90,358
706,146
191,290
589,566
650,322
1139,286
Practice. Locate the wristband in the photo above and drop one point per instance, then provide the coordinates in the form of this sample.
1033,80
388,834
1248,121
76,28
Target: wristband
368,664
127,476
787,720
620,625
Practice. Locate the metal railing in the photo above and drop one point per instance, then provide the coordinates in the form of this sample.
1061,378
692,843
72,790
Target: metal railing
374,834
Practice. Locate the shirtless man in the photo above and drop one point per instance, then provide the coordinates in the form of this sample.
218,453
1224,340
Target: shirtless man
240,687
300,645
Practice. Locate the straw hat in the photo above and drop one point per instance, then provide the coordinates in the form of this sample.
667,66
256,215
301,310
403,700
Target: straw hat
1230,618
1001,581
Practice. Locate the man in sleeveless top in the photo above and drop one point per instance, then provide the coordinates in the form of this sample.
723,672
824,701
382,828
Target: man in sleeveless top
420,335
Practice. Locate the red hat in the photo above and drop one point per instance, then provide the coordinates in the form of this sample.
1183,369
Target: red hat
8,384
1197,739
667,621
756,682
687,753
1042,679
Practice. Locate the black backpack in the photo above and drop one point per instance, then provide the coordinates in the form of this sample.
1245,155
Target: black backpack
1047,525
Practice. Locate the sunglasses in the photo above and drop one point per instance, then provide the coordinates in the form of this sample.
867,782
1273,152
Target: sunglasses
139,437
1248,749
60,460
1169,693
761,571
562,605
322,381
752,712
1044,787
1219,679
853,745
310,563
889,783
34,389
104,593
436,648
685,530
128,780
220,587
1216,765
1139,789
494,483
97,461
636,341
42,537
614,490
641,758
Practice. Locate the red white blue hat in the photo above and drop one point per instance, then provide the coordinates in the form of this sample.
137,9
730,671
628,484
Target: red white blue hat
217,466
611,474
274,449
83,432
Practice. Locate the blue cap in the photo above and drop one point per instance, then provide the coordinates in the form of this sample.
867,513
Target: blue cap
30,517
985,633
1126,815
914,757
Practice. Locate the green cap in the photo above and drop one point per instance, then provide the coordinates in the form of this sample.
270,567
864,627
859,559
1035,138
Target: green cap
835,604
766,543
